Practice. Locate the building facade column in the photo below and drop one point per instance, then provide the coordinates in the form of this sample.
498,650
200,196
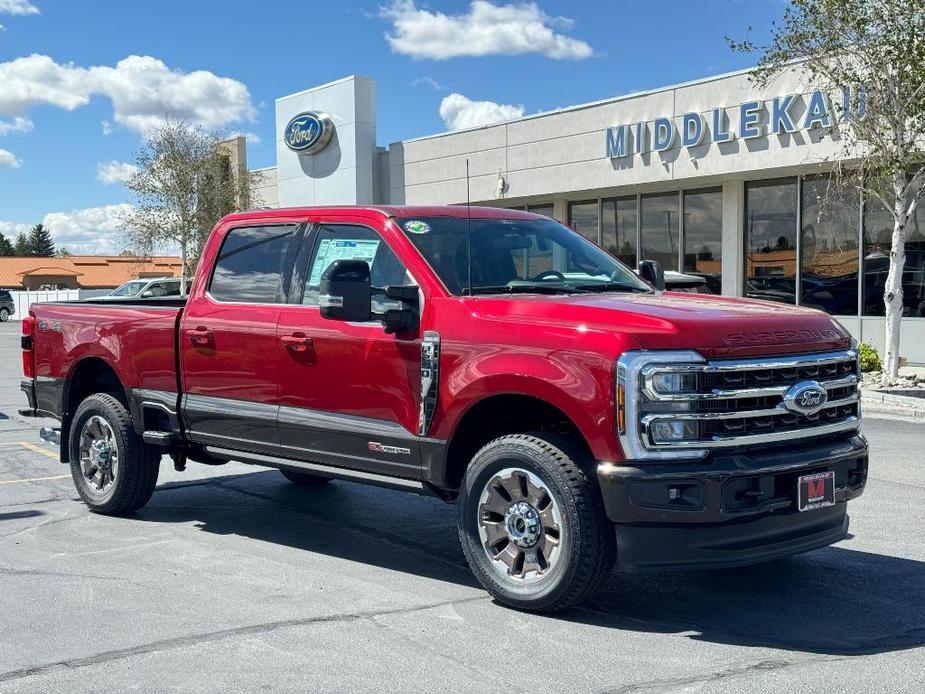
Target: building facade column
733,237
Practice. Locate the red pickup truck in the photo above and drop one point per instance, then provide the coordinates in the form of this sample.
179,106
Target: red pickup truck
576,414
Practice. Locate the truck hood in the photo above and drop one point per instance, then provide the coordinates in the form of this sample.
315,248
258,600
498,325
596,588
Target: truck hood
713,325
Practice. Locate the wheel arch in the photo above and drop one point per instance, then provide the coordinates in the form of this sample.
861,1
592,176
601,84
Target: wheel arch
497,415
89,375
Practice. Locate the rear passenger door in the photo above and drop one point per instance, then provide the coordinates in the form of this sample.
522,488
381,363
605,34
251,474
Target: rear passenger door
228,342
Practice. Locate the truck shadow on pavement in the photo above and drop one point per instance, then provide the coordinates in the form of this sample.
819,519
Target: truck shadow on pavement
834,601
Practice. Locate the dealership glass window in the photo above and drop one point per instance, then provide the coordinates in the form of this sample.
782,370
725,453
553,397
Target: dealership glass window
829,246
249,268
582,217
703,236
771,239
659,229
545,210
618,228
878,234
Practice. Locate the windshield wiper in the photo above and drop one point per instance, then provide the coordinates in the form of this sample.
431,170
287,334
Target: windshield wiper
528,288
613,287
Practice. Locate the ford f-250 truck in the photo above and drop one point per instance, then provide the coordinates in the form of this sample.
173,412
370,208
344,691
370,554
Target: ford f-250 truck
577,415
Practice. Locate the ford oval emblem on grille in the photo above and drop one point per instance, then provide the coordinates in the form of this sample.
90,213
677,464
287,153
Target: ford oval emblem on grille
805,397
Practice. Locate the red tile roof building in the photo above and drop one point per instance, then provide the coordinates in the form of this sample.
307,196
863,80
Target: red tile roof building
82,271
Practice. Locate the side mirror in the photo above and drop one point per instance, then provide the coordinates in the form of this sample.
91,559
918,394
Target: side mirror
147,294
345,292
652,272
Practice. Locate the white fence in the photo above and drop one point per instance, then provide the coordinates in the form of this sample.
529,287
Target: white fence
23,300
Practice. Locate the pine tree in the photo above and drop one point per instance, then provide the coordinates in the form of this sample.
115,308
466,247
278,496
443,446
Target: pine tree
40,243
21,247
6,248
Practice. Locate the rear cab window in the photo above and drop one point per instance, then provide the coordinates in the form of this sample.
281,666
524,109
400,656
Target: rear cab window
254,265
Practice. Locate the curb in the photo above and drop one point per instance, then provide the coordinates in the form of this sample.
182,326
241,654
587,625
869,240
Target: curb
888,406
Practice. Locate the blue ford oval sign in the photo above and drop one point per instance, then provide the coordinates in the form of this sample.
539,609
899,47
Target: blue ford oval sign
806,397
308,132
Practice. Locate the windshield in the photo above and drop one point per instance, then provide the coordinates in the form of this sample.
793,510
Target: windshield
128,289
514,255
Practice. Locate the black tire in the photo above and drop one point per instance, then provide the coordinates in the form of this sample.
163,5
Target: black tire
4,315
587,543
304,479
134,477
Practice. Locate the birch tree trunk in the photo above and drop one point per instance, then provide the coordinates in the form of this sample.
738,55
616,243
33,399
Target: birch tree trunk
893,290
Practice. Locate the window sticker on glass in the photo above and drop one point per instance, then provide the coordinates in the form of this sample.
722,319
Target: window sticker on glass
330,250
417,226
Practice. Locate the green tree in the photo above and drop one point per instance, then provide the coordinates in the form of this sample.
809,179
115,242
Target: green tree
40,243
21,247
876,50
185,183
6,248
63,253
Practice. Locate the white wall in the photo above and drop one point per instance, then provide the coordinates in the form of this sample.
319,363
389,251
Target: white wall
24,300
342,172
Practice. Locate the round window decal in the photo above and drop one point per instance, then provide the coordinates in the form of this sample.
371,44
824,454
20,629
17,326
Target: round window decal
417,226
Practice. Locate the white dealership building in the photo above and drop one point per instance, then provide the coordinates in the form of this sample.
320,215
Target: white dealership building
716,177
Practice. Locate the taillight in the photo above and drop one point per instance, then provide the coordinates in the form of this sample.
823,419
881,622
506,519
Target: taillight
28,346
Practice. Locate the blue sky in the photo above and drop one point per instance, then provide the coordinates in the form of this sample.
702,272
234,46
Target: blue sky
74,103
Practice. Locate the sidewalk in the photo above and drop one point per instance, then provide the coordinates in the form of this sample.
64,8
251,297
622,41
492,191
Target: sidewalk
889,404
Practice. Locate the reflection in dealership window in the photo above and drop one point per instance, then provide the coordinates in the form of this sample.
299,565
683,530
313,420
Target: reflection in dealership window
703,236
582,217
619,228
878,235
659,229
770,240
829,278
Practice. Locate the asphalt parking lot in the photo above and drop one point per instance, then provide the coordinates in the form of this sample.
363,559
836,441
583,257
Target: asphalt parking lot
231,579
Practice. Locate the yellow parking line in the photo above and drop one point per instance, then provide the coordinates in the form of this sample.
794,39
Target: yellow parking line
34,479
38,449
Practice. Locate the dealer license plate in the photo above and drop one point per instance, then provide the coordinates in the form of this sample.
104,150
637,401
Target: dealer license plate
816,491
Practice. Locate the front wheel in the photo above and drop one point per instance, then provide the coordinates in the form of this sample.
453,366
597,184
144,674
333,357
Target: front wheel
4,315
532,523
114,470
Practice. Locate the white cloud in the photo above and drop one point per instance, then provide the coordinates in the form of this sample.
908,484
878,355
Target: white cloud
110,172
91,231
486,29
8,160
429,81
459,112
17,125
17,7
142,90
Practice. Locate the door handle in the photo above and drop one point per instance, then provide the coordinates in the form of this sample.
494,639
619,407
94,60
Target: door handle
296,343
201,337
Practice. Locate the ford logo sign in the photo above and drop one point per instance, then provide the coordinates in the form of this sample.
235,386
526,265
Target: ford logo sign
806,397
308,132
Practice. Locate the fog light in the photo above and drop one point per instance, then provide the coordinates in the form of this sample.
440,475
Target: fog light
671,383
667,431
674,493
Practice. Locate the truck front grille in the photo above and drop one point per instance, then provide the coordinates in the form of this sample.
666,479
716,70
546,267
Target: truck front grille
743,402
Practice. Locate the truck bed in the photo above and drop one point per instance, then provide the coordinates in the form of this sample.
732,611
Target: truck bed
137,338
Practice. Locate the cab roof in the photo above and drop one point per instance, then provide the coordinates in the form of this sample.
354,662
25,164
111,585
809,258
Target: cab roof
457,211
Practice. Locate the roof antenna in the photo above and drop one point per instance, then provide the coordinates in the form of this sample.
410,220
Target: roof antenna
468,230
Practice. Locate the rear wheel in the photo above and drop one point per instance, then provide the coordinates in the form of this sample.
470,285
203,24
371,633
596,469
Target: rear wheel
4,315
304,479
114,470
532,523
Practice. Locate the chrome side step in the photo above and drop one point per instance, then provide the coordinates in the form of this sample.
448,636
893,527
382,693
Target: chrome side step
320,469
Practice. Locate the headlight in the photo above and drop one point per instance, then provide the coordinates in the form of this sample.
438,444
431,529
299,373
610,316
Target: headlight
671,383
653,392
668,430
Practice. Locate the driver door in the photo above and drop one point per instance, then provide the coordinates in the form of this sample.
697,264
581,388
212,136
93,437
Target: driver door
349,392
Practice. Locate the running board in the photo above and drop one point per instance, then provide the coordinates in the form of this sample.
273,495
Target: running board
338,473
